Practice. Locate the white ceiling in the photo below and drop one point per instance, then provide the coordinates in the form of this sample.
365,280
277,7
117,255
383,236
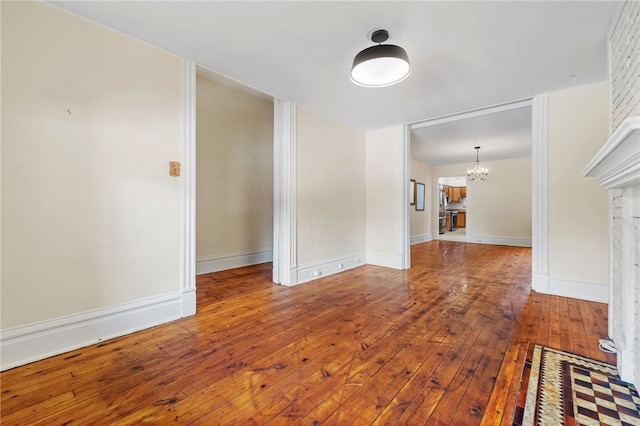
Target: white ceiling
464,55
501,135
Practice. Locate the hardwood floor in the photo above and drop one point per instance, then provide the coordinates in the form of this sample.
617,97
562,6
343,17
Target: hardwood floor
442,343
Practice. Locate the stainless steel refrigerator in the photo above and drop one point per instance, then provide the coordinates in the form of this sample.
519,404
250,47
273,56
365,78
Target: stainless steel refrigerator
442,212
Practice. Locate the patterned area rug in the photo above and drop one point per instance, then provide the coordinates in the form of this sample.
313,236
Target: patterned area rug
559,388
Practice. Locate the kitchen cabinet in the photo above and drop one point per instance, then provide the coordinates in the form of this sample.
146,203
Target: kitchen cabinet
462,219
447,223
455,194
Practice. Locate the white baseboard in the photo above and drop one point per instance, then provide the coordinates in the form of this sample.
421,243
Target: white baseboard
33,342
500,241
232,260
188,302
310,272
579,290
540,283
417,239
385,259
574,289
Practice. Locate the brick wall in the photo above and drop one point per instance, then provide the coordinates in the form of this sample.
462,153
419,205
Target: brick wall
624,63
624,308
617,307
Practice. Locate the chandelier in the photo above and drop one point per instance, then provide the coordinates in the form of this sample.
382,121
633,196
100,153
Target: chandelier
477,172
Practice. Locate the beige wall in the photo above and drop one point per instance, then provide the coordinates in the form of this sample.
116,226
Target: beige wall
498,209
578,223
501,205
421,221
234,171
385,188
330,189
91,119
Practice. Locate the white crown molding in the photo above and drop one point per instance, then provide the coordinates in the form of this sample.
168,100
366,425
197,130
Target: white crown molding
33,342
223,262
617,164
473,113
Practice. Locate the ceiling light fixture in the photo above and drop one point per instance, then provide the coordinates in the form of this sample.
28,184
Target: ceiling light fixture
477,172
380,65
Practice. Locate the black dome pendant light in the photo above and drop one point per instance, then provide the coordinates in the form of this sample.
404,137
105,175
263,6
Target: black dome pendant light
380,65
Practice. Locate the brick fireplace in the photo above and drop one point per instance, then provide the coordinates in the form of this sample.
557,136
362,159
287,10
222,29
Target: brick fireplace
617,167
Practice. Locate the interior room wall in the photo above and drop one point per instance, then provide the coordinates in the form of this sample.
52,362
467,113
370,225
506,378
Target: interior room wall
498,209
330,189
578,207
234,175
91,218
385,196
421,221
503,208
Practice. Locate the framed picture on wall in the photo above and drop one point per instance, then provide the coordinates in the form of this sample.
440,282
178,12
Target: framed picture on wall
420,197
412,192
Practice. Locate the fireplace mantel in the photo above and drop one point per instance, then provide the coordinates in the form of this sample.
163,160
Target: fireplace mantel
617,164
617,167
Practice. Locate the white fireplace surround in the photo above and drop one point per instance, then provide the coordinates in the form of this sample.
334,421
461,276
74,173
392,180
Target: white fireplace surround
617,167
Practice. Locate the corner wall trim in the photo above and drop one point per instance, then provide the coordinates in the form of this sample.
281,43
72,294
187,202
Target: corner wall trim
188,258
232,260
406,216
33,342
284,192
540,186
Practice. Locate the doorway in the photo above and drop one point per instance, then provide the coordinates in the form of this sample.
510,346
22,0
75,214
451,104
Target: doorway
234,174
445,146
452,208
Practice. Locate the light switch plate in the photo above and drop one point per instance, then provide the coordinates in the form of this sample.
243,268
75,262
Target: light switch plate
174,168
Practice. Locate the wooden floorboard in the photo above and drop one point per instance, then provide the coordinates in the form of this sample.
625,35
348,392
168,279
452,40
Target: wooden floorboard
442,343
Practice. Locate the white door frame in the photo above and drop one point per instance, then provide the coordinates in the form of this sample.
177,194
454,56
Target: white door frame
284,208
284,193
539,178
188,261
